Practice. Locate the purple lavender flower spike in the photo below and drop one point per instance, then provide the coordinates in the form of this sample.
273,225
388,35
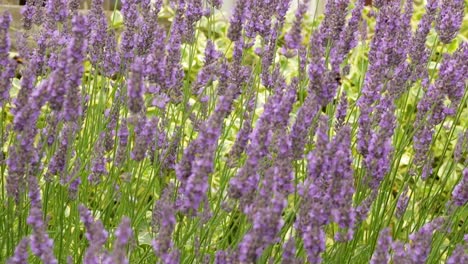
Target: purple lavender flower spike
209,70
99,161
289,252
111,58
330,177
193,13
281,9
156,59
460,192
341,111
265,214
136,87
459,255
98,32
197,163
57,10
145,131
217,3
379,150
73,6
123,141
302,124
260,15
246,180
334,21
112,118
16,170
40,242
418,250
268,56
26,118
5,20
431,108
196,185
223,257
381,253
73,188
402,203
461,148
450,19
130,15
238,19
58,161
243,135
28,12
21,253
399,253
123,235
58,81
363,209
7,67
348,37
418,51
342,190
293,39
174,73
95,234
391,32
421,241
164,223
75,68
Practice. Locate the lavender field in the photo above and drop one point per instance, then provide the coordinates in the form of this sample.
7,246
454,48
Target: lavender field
171,132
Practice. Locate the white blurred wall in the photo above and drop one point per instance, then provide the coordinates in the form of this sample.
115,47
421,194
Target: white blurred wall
228,5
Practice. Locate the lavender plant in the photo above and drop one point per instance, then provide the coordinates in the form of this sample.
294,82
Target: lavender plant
167,132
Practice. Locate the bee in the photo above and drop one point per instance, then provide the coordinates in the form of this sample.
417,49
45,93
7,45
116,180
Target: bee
19,63
338,79
18,59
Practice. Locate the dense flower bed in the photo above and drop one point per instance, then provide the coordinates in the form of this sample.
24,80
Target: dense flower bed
171,135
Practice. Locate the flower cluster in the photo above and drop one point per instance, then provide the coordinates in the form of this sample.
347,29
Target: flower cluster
164,132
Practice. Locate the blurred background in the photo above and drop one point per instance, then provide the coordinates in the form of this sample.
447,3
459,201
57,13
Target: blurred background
227,6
